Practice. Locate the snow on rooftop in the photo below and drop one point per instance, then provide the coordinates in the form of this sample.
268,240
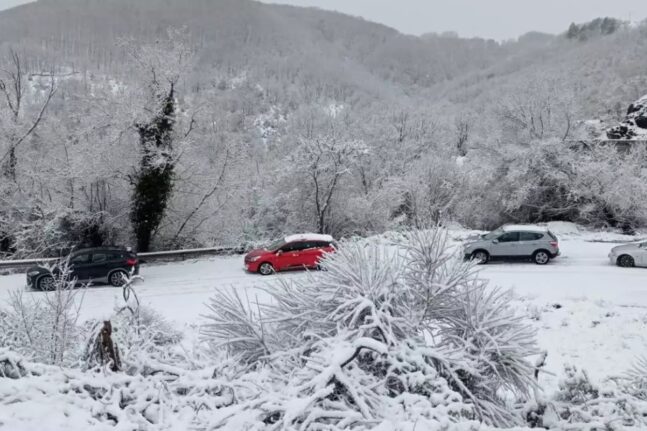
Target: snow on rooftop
525,227
308,237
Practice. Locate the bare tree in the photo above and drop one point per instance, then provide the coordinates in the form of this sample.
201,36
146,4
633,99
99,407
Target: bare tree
324,160
12,87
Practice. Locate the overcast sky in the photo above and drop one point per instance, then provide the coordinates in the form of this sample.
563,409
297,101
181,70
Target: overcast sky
4,4
497,19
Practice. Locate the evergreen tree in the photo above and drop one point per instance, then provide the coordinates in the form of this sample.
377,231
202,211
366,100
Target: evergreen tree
154,181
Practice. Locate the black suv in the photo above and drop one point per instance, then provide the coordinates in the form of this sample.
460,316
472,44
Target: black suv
104,264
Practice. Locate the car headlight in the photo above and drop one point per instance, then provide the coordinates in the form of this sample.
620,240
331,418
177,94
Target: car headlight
254,259
33,273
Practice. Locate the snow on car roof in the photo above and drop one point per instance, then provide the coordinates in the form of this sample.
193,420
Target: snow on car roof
308,237
524,227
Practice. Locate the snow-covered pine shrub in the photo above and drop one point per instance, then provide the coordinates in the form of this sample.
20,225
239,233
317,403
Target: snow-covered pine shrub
387,331
235,324
474,322
44,327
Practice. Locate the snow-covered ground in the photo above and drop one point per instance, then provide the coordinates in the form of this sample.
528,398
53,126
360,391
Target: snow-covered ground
587,311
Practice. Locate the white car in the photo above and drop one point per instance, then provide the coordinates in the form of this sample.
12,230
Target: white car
629,255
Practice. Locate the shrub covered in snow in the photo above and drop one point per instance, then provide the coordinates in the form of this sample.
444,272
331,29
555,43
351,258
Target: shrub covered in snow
45,328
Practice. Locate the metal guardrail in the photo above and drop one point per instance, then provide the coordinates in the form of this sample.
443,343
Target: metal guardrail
144,258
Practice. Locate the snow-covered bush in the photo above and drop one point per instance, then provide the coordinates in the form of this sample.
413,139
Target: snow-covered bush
385,332
580,404
45,328
48,231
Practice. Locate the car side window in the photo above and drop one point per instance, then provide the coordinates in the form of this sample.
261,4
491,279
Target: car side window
100,257
530,236
80,258
300,246
293,246
287,248
509,237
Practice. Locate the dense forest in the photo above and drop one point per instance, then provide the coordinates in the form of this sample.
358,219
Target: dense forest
163,124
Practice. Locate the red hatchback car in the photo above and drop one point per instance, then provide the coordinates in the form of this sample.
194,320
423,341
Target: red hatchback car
292,252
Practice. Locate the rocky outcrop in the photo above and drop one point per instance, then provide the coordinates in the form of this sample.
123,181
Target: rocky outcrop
634,126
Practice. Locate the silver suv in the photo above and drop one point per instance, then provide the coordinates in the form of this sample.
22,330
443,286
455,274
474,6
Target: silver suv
513,242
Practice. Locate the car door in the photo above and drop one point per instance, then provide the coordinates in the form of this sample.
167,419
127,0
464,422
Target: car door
528,243
289,256
506,244
301,254
310,254
101,263
79,266
641,255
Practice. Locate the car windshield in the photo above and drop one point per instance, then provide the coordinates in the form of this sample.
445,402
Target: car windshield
275,245
493,234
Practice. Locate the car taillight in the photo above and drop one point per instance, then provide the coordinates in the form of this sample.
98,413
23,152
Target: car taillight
131,261
554,244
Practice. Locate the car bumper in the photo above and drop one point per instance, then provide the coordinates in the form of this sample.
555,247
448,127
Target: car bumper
251,266
613,259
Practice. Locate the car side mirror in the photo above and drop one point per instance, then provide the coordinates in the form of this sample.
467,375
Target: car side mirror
495,241
279,252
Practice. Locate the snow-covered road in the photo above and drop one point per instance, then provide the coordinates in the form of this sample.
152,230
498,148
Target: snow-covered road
587,311
179,290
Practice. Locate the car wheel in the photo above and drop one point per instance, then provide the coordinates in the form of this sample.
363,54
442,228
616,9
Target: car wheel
46,283
266,268
541,257
626,261
117,278
480,257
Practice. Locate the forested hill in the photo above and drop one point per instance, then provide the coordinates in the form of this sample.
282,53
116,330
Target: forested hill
260,87
339,54
242,34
